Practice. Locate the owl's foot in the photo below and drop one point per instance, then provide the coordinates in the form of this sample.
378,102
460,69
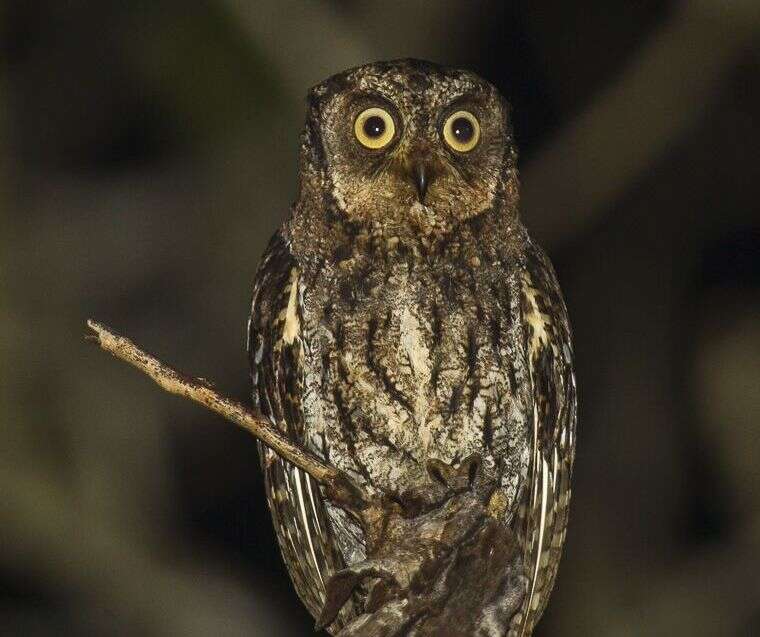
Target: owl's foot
436,560
446,481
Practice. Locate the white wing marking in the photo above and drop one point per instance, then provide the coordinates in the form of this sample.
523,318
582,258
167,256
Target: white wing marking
313,506
292,325
542,467
299,489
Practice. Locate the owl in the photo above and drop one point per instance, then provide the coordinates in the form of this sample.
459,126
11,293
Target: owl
402,314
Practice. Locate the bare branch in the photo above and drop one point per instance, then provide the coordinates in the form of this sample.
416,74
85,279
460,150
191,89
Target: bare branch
437,556
338,487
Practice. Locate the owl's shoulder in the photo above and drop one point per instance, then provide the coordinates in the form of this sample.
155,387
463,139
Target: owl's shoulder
273,333
542,296
270,281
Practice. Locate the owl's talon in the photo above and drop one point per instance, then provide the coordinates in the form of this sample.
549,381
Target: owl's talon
455,479
341,586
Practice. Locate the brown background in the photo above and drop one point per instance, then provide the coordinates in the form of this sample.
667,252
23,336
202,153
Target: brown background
147,152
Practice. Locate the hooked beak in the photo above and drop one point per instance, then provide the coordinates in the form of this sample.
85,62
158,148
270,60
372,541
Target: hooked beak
421,176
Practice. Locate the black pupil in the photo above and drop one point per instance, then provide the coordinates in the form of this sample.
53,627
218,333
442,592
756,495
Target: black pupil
374,126
463,129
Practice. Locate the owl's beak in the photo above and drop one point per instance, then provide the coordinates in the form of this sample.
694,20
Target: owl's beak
421,176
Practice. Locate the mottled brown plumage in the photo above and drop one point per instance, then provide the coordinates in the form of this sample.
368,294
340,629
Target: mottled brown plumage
402,315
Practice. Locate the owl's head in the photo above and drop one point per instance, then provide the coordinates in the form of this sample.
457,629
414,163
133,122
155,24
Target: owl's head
409,144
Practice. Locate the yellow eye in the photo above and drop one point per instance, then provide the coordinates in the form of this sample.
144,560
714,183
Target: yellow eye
462,131
374,128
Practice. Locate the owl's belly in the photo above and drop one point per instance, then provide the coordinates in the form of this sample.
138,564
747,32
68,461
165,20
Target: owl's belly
412,374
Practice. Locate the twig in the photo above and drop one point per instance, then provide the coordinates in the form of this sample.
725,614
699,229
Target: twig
436,557
337,485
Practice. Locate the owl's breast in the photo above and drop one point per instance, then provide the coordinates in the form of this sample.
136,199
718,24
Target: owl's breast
405,366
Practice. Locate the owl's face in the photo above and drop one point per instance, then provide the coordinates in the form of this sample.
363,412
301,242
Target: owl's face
408,144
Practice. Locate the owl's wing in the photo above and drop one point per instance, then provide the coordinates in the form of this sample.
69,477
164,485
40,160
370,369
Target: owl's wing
275,352
548,350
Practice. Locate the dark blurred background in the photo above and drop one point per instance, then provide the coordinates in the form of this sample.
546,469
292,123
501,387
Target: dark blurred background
147,152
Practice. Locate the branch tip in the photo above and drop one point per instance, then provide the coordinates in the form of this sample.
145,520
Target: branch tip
337,485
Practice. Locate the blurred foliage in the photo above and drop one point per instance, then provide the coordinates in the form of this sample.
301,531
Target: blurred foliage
148,152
